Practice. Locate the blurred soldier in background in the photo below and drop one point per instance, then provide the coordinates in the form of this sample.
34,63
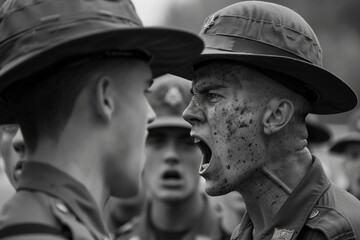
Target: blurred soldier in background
349,148
12,151
257,79
318,135
74,74
318,132
177,207
232,209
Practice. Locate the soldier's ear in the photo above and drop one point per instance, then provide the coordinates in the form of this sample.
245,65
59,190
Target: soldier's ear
103,101
277,114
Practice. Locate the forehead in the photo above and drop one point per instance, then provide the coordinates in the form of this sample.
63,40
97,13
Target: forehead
226,73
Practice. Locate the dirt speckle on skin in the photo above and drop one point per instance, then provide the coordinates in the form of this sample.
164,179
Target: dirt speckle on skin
243,110
242,125
232,122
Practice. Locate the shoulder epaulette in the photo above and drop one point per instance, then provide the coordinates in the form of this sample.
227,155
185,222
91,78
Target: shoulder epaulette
331,223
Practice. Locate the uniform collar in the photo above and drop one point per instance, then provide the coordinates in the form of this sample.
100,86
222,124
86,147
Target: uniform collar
50,180
304,197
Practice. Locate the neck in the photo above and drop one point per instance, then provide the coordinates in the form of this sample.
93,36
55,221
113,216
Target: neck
68,154
176,216
268,189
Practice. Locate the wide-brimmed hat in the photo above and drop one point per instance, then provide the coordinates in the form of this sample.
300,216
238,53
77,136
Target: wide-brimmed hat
318,132
37,35
169,96
274,39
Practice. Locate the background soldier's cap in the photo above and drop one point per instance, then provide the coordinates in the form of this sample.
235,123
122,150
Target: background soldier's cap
169,96
274,39
340,145
40,34
318,132
352,137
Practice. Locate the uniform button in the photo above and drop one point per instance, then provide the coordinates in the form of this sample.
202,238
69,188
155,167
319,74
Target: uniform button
313,214
61,207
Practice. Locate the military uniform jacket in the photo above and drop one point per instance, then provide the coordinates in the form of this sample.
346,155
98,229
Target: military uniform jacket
51,205
316,209
206,227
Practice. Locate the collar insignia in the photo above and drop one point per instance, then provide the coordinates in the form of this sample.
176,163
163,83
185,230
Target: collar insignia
282,234
173,97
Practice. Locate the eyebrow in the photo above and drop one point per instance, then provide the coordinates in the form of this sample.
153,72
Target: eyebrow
205,89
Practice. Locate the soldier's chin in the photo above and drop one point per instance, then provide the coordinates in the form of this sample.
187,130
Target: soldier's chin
214,190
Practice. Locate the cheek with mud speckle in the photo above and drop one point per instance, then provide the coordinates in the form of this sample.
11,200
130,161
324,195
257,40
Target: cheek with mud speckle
234,132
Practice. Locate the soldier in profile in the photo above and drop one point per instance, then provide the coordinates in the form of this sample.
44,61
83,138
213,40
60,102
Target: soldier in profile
74,74
258,78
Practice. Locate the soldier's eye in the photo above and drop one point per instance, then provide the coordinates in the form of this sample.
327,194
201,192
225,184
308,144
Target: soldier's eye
213,97
10,128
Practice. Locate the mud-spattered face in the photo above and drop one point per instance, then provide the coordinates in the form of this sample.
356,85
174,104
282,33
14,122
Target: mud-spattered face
225,114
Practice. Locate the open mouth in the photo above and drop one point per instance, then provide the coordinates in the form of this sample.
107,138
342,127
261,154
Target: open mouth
206,152
171,175
18,169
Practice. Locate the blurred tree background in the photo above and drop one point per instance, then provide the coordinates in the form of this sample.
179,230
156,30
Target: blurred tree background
336,23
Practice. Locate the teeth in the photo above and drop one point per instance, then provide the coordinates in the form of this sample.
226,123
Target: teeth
196,140
204,167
